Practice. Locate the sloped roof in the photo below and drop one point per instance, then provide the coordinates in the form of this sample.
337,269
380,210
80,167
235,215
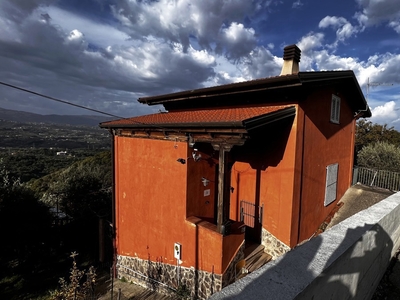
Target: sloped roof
278,85
243,117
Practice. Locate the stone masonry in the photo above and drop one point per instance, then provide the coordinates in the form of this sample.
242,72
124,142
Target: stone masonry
169,279
272,245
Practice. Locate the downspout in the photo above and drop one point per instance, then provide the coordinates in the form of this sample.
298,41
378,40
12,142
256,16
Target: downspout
113,232
301,176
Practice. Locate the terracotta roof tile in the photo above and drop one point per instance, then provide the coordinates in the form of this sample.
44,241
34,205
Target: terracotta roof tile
193,117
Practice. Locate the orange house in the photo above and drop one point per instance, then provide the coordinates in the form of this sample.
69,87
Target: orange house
263,161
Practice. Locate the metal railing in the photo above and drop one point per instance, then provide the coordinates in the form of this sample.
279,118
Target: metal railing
377,178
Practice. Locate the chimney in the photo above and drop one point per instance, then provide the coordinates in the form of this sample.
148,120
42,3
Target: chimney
291,59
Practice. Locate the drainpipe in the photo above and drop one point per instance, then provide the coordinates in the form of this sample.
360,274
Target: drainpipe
114,263
301,177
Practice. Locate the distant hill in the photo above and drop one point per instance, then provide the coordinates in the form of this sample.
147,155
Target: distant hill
27,117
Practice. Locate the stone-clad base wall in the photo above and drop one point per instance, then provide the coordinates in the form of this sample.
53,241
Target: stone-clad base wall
272,245
230,274
169,279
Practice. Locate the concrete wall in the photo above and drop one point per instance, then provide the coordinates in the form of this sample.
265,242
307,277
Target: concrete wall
345,262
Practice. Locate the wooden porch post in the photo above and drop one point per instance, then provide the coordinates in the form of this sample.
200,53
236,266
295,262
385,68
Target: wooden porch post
223,186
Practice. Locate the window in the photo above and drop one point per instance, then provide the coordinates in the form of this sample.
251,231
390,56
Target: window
335,109
331,183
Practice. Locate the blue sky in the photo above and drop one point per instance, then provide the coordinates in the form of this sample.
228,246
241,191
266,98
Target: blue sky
104,54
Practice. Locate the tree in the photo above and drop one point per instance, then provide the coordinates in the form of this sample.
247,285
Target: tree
369,133
24,222
381,155
83,192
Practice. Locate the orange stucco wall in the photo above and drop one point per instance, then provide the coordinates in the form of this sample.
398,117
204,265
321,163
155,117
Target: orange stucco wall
325,143
270,182
151,211
290,180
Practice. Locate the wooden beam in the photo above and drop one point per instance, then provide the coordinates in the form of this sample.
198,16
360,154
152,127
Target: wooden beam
222,188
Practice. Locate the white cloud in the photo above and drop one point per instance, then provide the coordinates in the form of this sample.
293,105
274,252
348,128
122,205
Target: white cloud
385,113
98,34
395,25
377,12
237,41
151,47
310,41
297,4
333,21
214,24
344,29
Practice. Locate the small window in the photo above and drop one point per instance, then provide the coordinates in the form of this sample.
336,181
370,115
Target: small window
331,183
335,109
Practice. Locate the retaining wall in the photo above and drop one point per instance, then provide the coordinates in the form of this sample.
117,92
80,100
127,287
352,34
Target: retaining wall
345,262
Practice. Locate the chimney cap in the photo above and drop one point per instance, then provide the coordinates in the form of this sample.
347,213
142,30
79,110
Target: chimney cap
292,52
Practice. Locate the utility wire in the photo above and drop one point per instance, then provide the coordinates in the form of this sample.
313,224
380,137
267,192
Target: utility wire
81,106
59,100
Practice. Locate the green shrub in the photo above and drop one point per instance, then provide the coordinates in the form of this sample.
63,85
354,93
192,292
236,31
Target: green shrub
381,155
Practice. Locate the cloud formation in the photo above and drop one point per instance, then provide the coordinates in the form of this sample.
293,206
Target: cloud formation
106,54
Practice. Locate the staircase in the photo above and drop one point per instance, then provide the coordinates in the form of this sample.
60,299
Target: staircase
254,258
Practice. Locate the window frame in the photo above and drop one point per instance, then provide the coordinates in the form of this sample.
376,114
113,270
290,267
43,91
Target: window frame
335,110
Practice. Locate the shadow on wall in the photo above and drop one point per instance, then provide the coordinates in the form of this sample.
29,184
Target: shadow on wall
266,147
319,269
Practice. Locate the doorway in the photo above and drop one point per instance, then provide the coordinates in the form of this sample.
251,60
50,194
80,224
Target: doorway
251,215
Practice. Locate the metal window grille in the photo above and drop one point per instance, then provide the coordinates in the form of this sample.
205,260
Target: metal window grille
248,213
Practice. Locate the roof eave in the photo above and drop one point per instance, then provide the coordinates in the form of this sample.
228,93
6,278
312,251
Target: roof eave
322,77
167,126
240,87
260,121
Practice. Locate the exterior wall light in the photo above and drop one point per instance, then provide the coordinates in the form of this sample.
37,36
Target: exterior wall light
181,160
191,142
205,181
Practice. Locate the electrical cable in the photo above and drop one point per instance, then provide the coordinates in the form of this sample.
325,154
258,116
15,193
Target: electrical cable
81,106
59,100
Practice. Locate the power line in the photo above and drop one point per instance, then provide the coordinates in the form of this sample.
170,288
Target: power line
83,107
80,106
59,100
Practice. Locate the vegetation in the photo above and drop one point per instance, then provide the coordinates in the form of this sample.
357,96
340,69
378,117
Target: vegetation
34,163
80,285
50,206
26,234
368,133
380,155
377,146
37,243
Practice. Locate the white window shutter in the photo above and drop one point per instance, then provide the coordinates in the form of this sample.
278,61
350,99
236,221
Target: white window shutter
331,183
